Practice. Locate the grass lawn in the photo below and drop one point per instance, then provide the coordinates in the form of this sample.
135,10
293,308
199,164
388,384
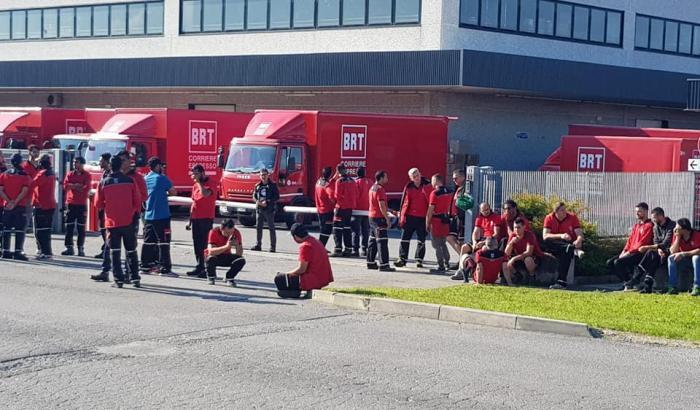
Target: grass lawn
674,317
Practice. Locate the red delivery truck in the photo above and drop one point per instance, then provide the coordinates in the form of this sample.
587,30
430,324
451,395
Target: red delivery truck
77,136
295,145
24,126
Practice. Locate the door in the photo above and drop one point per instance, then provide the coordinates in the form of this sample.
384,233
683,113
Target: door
291,172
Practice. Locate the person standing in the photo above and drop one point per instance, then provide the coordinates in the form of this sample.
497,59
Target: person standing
642,235
456,236
44,203
118,196
314,269
31,168
437,222
76,186
129,169
563,236
345,195
221,242
155,251
202,214
3,168
265,196
105,255
379,222
14,190
414,207
360,223
323,195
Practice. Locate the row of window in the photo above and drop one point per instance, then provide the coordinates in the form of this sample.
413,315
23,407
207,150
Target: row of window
669,36
122,19
548,18
235,15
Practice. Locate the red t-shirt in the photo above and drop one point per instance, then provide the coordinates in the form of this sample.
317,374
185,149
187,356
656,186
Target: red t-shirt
507,226
521,246
642,235
491,264
690,245
323,195
319,273
441,199
376,194
488,224
203,207
567,225
363,187
30,169
12,183
44,191
218,239
140,182
74,196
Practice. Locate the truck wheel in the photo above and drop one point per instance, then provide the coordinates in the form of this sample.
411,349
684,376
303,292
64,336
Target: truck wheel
247,220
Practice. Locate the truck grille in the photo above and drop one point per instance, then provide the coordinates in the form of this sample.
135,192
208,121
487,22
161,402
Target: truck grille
239,197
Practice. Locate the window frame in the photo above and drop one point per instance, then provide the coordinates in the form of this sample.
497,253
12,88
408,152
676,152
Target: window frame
553,36
694,42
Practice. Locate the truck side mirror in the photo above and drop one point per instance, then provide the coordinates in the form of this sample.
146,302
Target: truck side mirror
220,158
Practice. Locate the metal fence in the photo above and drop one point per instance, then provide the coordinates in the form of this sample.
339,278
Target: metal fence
609,198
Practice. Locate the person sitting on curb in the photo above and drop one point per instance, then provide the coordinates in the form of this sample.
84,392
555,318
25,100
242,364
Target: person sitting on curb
563,238
685,253
642,235
487,225
218,253
523,253
654,255
314,269
489,262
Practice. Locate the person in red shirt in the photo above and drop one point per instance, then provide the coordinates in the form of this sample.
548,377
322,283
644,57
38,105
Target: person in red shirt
563,238
684,253
14,190
345,196
523,253
508,217
118,195
642,234
437,222
3,168
314,269
323,195
414,207
489,262
44,202
31,168
222,241
360,223
76,186
379,222
487,225
129,169
202,214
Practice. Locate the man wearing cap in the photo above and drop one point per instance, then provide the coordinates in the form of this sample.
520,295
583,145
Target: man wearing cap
265,196
155,251
202,214
314,269
76,186
345,196
44,202
14,190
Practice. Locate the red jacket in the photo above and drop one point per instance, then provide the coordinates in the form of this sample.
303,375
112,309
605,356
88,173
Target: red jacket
363,187
118,196
345,193
12,181
44,190
74,196
415,200
642,235
140,182
323,196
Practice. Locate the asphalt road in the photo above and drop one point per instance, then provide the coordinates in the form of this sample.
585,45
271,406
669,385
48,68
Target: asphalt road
66,342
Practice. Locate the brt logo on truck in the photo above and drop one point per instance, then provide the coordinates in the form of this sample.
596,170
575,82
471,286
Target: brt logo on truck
202,137
591,159
76,126
353,142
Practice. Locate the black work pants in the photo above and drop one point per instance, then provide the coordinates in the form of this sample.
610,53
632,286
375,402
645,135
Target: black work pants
414,224
325,222
116,237
378,243
14,222
266,215
200,236
106,254
43,225
75,221
288,286
342,229
623,267
234,263
360,232
564,252
650,263
155,249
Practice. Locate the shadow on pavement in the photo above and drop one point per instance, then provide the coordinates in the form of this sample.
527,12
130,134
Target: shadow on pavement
211,295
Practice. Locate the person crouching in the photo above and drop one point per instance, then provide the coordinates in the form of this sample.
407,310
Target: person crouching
222,241
314,269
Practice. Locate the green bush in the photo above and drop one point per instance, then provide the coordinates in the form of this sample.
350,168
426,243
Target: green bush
597,250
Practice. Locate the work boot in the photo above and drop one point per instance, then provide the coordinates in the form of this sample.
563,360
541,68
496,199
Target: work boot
232,283
272,250
102,277
117,285
440,270
137,283
336,254
81,252
372,266
212,281
399,263
256,248
419,264
7,255
100,255
387,269
19,256
195,272
202,275
347,253
355,253
68,251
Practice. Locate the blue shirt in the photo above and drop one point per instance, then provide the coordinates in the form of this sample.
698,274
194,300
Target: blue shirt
157,203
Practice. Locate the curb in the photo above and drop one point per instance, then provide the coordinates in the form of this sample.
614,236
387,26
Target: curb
453,314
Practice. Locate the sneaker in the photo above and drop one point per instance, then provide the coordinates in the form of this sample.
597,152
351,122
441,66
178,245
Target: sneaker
102,277
19,256
117,285
195,272
560,285
399,263
419,265
232,283
696,291
81,252
68,251
387,269
212,281
372,266
459,275
440,270
137,283
672,291
256,248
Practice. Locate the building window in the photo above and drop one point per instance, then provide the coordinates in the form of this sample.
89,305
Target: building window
667,36
280,13
303,16
234,15
354,12
257,15
406,11
191,12
545,18
328,13
212,12
134,18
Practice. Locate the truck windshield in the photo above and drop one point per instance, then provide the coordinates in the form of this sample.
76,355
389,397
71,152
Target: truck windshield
250,158
96,148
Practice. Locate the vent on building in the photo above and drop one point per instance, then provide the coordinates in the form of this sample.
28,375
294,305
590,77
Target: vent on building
694,95
54,100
